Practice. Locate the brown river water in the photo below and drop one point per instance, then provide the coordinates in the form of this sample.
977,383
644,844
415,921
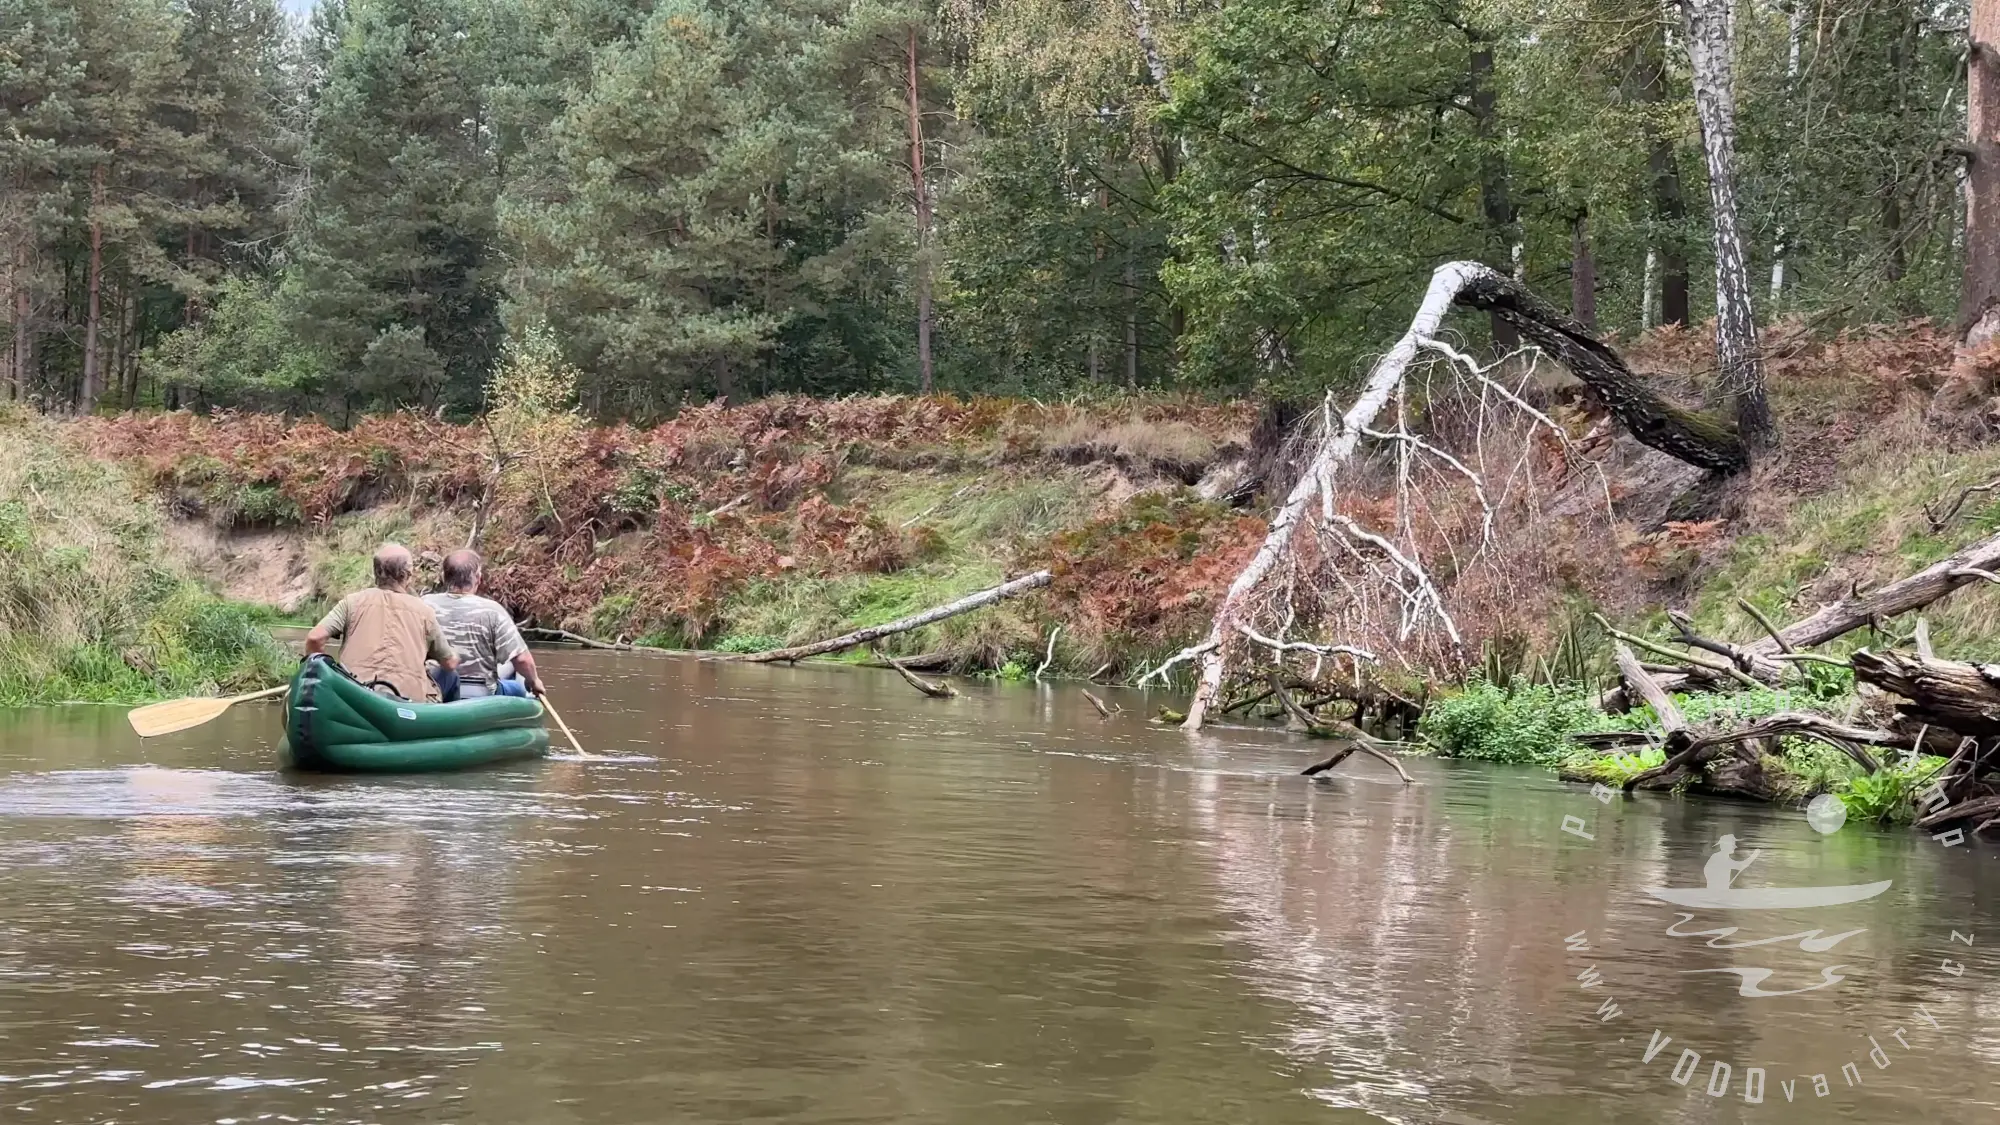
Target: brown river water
811,895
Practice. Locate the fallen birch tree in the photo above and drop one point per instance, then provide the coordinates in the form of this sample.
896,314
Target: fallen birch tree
931,616
1239,626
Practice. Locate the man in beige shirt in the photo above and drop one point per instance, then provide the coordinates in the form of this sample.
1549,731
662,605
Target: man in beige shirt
387,632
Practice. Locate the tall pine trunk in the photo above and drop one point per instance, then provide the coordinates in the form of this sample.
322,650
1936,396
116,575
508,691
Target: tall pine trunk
10,371
93,363
1495,201
923,219
1663,176
1739,381
1979,292
24,324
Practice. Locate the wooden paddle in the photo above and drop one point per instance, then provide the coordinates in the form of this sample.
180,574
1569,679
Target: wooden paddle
180,714
557,716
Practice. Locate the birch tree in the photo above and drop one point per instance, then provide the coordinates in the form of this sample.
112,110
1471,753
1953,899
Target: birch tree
1739,380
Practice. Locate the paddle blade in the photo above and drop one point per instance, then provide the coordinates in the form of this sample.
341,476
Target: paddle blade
175,714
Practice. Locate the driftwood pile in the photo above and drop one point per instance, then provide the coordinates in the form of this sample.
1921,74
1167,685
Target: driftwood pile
1920,704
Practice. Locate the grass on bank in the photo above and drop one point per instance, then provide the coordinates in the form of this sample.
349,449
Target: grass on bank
91,609
1533,725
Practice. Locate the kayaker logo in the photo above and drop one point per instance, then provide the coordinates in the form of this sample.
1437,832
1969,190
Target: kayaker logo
1719,892
1763,940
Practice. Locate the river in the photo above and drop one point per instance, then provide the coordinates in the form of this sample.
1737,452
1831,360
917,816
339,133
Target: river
812,895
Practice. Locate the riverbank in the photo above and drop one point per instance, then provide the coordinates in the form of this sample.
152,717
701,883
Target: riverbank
94,604
787,520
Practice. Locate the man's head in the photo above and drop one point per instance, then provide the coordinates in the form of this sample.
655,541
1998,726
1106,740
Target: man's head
461,572
392,566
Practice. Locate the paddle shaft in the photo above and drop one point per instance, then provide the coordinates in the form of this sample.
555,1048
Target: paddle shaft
260,694
557,716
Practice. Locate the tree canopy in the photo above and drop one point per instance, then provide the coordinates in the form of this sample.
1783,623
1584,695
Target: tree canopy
203,205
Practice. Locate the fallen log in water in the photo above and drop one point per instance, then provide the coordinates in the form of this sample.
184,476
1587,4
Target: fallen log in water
965,604
936,689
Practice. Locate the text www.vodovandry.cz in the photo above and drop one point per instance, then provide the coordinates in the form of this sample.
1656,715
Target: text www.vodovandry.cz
1721,1078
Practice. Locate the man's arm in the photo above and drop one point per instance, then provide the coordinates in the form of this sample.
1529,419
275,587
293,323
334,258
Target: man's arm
524,666
508,646
334,624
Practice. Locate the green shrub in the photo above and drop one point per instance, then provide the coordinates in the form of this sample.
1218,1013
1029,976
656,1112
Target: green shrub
1890,794
1612,769
1527,725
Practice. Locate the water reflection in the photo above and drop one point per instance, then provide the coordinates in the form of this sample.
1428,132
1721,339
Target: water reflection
821,898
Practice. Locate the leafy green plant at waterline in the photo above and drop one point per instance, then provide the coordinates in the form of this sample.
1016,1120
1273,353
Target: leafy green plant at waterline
1890,794
1527,725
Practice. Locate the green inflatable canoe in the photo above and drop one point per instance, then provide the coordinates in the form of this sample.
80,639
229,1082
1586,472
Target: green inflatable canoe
335,724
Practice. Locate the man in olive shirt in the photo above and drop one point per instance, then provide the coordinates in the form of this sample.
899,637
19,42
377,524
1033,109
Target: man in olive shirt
481,631
387,632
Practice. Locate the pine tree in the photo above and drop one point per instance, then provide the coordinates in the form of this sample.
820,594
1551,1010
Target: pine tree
721,209
125,159
40,68
392,277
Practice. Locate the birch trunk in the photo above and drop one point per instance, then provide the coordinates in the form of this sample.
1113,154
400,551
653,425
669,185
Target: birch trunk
1337,448
1739,377
1142,26
1795,33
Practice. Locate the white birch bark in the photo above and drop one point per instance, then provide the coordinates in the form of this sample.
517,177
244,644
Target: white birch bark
1796,31
1338,446
1155,64
1740,377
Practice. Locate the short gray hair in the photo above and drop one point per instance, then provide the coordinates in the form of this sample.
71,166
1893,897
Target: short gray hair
392,564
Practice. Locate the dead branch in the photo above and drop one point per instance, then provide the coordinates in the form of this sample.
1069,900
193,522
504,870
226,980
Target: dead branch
1426,590
1103,711
1841,736
1687,660
1282,647
1186,654
1050,655
1320,729
922,662
731,506
1684,631
1939,521
965,604
611,646
936,689
1246,701
1649,690
1769,629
